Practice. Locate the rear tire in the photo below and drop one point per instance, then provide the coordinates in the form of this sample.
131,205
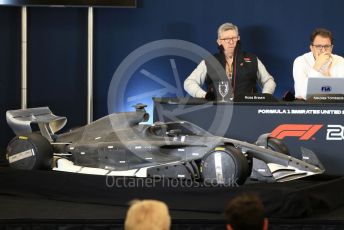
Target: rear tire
30,152
227,166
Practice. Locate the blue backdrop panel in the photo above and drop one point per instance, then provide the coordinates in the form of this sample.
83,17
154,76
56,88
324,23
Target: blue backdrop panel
9,68
277,31
57,61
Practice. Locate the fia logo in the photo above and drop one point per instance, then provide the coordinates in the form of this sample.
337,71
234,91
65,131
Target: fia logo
326,88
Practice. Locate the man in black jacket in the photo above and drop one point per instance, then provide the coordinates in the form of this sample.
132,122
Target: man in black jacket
246,212
241,69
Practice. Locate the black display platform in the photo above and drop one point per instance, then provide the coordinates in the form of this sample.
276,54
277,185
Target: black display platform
60,200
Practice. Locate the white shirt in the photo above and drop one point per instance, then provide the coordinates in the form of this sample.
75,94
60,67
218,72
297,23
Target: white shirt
303,69
195,80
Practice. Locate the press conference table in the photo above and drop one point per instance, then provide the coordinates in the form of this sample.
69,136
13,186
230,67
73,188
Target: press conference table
316,126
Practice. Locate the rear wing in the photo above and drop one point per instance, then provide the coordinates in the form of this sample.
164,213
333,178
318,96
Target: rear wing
23,121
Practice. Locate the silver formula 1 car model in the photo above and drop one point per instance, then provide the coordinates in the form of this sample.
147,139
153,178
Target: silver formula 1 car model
118,144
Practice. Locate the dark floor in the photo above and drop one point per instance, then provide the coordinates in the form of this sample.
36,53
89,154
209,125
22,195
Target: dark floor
55,200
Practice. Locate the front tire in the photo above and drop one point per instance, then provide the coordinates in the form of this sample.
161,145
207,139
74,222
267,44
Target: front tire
224,165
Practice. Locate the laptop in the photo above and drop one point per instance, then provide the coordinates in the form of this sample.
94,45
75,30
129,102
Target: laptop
318,86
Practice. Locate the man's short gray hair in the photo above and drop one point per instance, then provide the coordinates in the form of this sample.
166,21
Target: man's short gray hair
227,26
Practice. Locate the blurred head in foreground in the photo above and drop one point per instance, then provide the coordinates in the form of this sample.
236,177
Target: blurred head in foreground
245,212
147,215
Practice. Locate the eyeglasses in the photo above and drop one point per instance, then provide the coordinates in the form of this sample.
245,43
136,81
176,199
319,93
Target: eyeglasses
320,47
232,39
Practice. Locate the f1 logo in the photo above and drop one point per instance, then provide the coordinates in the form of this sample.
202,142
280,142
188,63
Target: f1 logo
303,131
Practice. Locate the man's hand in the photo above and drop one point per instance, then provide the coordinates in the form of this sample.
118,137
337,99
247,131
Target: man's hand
210,96
321,60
